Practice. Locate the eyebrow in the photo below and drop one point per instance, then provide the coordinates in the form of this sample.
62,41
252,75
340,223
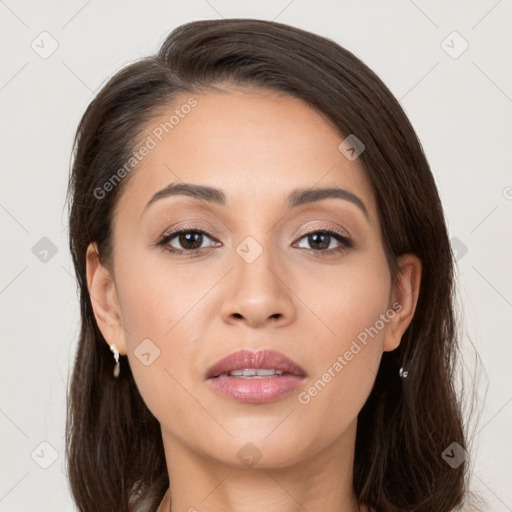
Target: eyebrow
297,197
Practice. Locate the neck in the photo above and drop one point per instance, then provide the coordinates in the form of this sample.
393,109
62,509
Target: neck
321,482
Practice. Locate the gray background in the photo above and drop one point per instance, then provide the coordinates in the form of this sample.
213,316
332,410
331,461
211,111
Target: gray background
460,103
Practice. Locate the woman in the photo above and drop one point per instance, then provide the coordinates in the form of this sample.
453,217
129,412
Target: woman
266,287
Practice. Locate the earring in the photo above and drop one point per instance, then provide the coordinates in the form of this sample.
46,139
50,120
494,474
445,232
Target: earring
117,367
403,373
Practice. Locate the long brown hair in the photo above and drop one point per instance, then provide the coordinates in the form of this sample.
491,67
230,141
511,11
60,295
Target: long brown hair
114,451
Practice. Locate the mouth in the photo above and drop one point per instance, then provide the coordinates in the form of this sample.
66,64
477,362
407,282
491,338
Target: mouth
255,364
255,376
253,373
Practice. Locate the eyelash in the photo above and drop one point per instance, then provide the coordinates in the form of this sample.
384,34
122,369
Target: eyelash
340,237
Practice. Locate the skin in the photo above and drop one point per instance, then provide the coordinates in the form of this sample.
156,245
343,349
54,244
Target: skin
257,146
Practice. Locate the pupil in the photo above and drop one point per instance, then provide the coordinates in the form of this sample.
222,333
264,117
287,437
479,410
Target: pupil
187,238
324,244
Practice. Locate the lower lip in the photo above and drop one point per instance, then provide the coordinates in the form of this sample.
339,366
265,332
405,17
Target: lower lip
257,390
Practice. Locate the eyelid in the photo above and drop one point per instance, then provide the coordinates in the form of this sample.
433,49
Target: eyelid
172,233
315,229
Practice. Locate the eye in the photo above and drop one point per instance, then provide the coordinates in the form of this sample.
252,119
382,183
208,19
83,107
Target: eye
320,241
189,238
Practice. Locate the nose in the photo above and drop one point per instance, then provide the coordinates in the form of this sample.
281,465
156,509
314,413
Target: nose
257,293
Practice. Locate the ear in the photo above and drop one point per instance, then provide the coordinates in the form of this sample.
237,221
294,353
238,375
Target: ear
404,298
101,286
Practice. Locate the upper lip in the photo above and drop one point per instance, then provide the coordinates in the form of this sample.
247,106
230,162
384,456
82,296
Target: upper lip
243,359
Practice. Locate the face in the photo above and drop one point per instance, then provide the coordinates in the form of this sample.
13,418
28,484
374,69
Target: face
254,271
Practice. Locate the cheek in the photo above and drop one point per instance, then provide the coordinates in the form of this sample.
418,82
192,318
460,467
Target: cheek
163,319
348,298
348,354
153,298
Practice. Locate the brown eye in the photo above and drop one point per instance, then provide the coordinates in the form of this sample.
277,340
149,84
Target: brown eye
189,240
185,240
321,240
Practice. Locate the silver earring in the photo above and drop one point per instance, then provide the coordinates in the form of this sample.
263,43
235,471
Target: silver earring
117,367
403,373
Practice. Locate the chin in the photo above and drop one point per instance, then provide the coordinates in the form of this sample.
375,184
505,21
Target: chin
260,451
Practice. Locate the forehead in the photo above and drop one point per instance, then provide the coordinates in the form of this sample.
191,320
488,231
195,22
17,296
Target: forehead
255,145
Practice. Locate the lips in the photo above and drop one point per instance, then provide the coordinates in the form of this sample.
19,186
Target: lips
241,376
249,359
